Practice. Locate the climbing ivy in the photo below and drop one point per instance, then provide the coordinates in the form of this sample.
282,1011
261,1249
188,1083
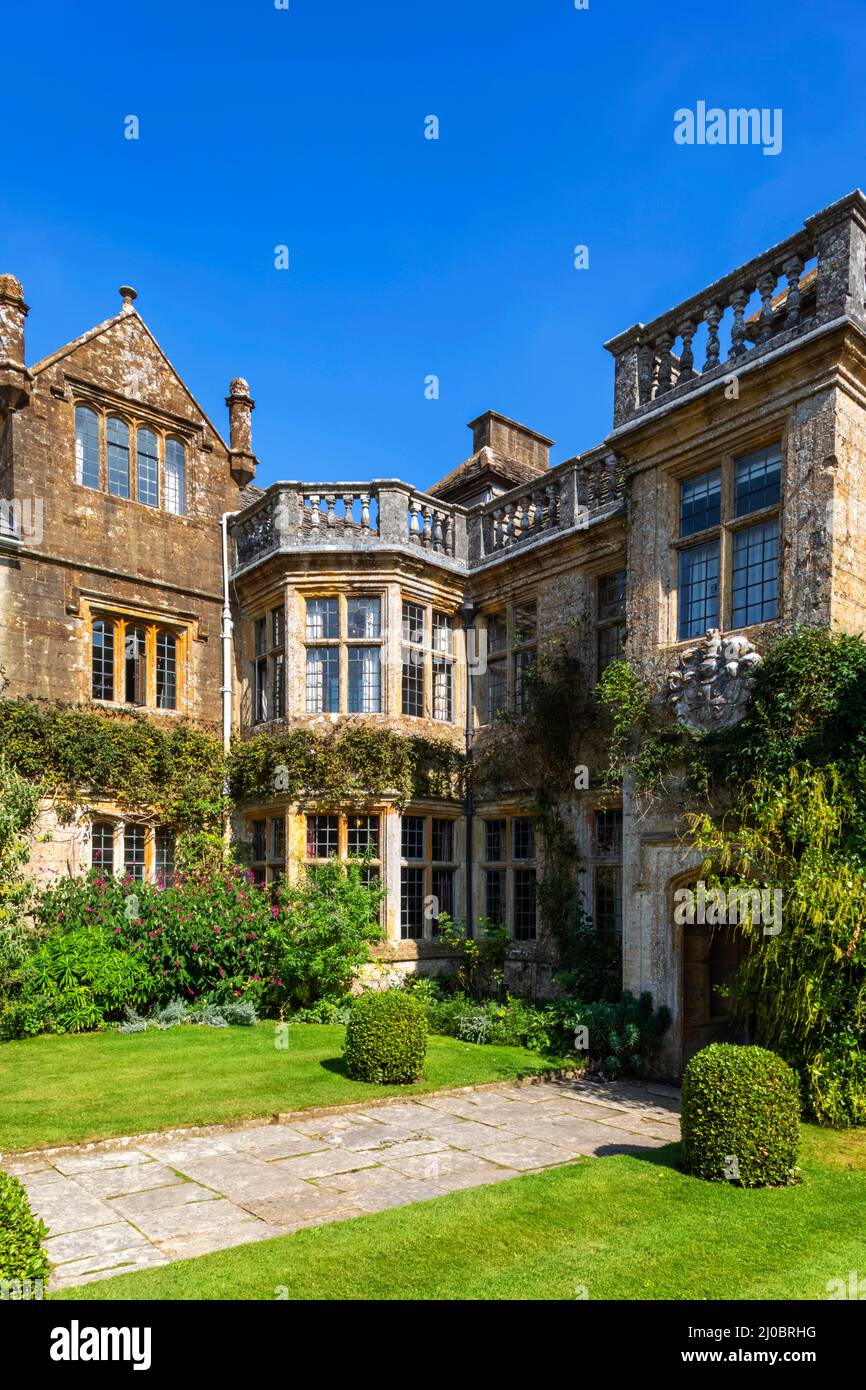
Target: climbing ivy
176,772
356,760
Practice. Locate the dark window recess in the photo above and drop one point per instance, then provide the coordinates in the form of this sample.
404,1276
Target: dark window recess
524,904
523,838
412,837
608,832
494,896
494,841
135,667
259,829
699,589
443,841
757,480
323,836
611,596
443,893
412,904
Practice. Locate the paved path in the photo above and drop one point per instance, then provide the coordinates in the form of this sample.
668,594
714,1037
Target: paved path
135,1203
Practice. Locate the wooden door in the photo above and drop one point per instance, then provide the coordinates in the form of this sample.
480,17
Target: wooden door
711,956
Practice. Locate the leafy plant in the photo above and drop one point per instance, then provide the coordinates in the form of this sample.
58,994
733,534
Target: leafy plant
386,1038
23,1262
740,1116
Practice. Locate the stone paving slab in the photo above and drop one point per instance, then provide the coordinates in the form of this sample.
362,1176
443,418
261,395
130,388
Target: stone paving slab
139,1202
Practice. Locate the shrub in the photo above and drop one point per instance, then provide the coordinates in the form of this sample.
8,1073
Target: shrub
740,1103
386,1038
78,981
620,1037
21,1255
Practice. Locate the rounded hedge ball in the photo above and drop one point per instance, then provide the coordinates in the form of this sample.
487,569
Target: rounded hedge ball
386,1038
740,1116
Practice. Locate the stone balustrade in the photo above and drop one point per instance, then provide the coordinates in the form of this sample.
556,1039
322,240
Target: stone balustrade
431,524
761,306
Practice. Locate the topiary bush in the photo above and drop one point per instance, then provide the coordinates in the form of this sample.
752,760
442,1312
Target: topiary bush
386,1038
740,1116
23,1262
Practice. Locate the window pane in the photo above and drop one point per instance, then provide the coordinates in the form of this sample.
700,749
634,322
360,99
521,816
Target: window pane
365,680
443,689
524,904
102,847
413,681
523,838
260,690
323,837
494,896
757,480
164,856
103,660
133,851
497,632
700,502
608,899
443,892
86,446
148,468
412,837
260,636
323,680
323,618
497,688
259,829
363,836
166,670
278,620
525,623
443,633
699,589
443,841
412,904
611,596
118,457
135,667
175,477
278,838
524,665
755,574
364,617
608,832
413,622
494,841
611,644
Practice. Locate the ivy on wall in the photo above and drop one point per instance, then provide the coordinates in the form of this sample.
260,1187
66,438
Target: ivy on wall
176,772
354,761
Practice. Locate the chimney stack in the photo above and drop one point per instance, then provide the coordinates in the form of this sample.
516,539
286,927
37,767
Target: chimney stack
513,441
241,406
15,379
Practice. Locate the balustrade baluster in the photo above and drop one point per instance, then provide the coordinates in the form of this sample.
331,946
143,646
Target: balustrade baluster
766,289
664,343
365,511
315,514
687,330
739,300
414,523
713,317
793,269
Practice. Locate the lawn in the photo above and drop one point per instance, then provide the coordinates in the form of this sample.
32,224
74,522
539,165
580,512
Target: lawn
70,1089
620,1227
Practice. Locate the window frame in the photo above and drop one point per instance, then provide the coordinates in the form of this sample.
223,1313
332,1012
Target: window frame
508,869
162,431
341,644
723,536
426,868
510,661
122,624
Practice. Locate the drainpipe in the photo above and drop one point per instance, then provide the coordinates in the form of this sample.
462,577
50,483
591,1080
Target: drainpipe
226,688
467,612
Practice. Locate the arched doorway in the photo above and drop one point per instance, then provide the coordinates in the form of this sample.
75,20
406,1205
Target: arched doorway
711,956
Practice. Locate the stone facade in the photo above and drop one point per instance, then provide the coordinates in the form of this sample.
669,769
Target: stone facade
739,422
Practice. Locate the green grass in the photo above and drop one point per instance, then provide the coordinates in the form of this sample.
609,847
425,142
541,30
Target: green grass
70,1089
623,1227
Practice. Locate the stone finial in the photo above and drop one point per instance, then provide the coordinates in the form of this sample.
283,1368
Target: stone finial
14,377
712,683
128,295
241,406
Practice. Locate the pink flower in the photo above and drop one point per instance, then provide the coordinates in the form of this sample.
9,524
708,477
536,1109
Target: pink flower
117,931
222,972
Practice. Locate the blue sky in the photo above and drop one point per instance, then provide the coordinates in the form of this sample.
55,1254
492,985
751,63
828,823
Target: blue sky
408,257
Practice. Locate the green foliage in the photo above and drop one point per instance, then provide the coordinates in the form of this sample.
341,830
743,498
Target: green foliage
22,1259
176,1014
79,981
615,1038
802,832
626,701
740,1103
321,934
175,771
478,957
356,760
386,1038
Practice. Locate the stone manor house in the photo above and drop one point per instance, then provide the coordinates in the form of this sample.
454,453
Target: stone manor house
739,420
